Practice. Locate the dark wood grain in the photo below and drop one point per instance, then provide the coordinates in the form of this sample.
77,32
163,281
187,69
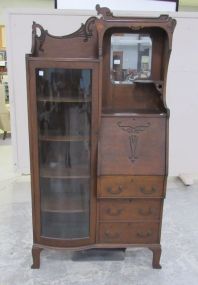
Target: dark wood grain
129,209
156,250
131,186
149,154
36,251
129,135
128,232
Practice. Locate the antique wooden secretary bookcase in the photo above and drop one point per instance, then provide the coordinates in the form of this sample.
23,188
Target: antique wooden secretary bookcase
98,125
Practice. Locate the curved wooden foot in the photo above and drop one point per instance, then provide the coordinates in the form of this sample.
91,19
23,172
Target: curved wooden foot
36,257
122,249
156,256
117,248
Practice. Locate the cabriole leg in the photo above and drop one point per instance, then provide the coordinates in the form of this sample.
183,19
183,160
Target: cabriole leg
36,257
156,256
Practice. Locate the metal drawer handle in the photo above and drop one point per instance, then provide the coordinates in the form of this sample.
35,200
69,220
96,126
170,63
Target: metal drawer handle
144,235
146,213
116,213
118,191
112,236
148,192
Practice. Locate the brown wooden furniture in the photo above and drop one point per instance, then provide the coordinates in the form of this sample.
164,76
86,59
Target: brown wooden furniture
98,126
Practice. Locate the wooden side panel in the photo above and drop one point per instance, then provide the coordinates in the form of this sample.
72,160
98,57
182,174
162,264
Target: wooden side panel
132,146
69,48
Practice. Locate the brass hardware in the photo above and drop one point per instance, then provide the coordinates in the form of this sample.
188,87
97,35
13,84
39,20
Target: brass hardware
136,28
116,213
112,236
146,213
146,235
118,191
147,192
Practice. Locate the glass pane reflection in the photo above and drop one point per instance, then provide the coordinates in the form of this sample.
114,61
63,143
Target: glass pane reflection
64,120
65,208
130,57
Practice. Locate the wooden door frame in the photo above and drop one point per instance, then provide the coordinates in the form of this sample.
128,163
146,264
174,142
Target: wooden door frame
32,64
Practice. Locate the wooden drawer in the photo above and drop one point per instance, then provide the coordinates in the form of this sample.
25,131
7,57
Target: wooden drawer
130,186
129,209
132,146
138,233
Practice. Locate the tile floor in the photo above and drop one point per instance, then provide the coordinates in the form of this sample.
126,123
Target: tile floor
179,243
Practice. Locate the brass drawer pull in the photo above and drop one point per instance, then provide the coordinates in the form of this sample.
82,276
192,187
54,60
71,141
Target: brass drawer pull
148,192
118,191
146,213
116,213
146,235
112,236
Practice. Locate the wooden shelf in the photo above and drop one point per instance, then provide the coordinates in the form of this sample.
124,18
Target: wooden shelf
63,210
148,81
63,138
65,173
131,113
63,206
64,100
65,230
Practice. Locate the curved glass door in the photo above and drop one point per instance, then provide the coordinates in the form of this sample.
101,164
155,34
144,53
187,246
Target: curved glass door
64,124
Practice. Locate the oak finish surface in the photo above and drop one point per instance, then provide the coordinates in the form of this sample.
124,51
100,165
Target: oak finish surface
129,232
130,186
99,134
129,209
138,148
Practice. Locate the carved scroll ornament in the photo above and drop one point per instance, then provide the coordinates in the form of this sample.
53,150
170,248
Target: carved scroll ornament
133,137
39,34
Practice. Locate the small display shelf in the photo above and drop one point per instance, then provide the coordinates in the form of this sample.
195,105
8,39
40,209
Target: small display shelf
64,205
65,225
63,138
65,173
133,113
64,100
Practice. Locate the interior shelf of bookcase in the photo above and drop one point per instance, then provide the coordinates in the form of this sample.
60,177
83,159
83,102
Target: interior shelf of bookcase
63,206
62,138
64,100
135,113
64,173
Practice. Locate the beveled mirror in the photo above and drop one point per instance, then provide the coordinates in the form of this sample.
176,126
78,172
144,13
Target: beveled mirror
131,56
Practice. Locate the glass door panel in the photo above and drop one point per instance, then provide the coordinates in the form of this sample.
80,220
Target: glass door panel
65,207
64,122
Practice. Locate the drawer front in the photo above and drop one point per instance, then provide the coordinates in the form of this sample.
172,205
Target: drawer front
138,233
132,146
129,209
130,186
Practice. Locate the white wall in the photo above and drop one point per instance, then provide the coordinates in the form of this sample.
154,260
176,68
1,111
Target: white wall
129,5
10,4
182,97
